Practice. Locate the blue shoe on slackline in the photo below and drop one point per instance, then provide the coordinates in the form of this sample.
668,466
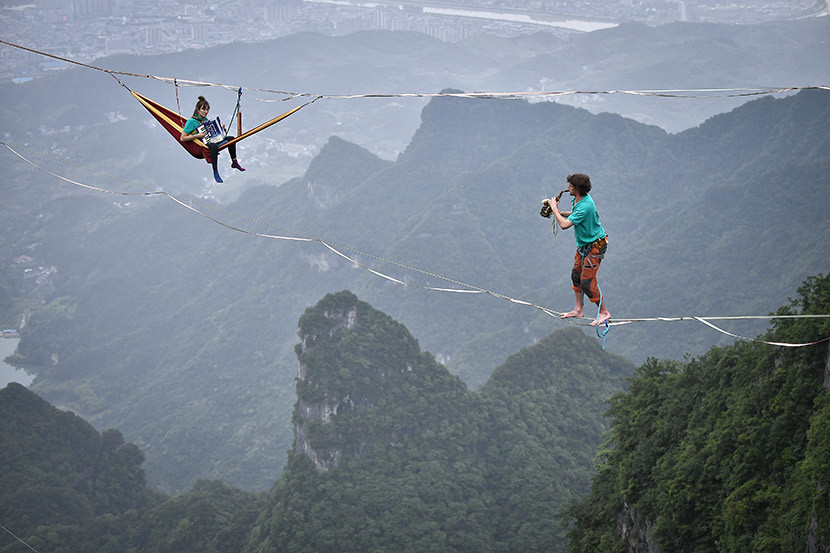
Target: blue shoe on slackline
217,177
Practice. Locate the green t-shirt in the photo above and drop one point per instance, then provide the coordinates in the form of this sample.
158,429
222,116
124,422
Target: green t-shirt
191,125
586,222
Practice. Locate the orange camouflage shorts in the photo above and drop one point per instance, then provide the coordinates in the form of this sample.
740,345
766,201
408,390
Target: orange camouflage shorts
586,265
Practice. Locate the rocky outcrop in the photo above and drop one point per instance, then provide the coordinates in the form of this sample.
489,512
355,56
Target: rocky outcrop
636,530
361,380
307,413
350,355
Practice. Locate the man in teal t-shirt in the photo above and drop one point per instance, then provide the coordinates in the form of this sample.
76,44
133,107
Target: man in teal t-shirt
591,243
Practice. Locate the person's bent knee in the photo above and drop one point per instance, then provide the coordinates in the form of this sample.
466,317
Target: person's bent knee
586,288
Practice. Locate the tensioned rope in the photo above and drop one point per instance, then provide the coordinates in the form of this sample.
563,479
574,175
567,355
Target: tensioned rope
301,237
338,249
663,93
12,534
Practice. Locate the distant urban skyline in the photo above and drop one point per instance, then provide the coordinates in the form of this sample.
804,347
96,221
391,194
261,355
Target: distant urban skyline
89,29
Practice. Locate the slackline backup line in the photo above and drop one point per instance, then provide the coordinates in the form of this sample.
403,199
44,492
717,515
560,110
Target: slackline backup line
336,249
663,93
12,534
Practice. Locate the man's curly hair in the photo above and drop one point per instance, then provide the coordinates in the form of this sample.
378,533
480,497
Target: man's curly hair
581,182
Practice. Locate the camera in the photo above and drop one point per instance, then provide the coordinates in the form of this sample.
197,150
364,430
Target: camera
546,210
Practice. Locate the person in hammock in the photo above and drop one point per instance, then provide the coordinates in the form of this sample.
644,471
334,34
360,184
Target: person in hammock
191,132
591,243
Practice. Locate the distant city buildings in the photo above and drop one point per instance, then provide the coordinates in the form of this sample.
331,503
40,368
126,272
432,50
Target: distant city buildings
88,29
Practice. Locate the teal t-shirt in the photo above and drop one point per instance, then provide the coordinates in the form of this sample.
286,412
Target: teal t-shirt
191,125
586,222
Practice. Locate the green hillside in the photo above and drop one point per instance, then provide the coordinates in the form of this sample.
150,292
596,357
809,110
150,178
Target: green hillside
727,452
167,326
58,469
392,452
724,452
66,487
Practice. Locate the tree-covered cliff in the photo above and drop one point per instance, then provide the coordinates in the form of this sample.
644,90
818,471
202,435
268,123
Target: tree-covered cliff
165,325
64,488
59,469
393,453
728,452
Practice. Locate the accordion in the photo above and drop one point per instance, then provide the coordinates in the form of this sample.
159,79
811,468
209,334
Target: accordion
214,133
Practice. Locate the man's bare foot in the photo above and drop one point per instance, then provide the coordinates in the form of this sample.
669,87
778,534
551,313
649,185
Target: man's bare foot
574,313
602,318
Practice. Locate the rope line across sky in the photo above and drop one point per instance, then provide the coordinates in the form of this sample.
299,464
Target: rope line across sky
689,93
338,249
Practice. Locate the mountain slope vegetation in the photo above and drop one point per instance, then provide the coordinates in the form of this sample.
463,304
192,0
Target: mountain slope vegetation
142,316
726,452
195,318
392,452
66,487
80,474
723,452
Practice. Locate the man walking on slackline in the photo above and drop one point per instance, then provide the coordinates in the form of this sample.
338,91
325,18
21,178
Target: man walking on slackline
591,243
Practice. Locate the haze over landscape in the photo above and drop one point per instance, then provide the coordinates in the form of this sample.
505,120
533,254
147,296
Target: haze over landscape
89,29
257,385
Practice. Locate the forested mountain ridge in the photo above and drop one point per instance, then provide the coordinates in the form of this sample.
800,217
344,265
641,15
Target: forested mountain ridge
727,452
724,182
67,488
392,452
58,469
186,343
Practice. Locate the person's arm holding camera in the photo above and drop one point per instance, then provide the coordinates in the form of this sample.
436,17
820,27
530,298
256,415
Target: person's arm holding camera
560,216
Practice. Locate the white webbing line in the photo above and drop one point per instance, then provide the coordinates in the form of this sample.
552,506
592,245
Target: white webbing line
784,344
179,201
706,321
712,318
663,93
335,248
12,534
689,93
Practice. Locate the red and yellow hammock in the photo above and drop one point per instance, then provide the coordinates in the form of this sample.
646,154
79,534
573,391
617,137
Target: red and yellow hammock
174,123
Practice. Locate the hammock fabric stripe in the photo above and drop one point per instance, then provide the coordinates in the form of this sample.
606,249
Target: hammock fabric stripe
173,123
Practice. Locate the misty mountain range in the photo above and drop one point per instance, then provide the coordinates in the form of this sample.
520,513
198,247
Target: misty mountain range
185,343
632,56
476,430
392,452
380,425
181,333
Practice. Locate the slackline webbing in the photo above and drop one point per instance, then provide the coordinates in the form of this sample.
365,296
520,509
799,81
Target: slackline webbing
12,534
338,249
688,93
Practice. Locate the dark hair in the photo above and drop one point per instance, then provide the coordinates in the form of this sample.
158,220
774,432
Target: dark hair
581,182
200,103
